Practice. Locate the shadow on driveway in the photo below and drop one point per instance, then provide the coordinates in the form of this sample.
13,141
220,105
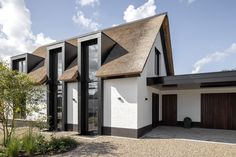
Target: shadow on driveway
93,149
213,135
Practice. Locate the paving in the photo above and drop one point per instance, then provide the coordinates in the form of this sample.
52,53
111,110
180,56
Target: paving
160,142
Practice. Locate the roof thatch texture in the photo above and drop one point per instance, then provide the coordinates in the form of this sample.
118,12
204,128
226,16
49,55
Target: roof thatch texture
137,38
71,73
39,75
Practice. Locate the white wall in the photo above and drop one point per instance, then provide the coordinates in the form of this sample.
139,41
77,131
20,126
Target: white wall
72,103
145,106
120,113
189,101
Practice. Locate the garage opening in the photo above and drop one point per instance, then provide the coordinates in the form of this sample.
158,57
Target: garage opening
218,111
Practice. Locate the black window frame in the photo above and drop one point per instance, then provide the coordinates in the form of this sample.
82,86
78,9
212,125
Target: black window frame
157,61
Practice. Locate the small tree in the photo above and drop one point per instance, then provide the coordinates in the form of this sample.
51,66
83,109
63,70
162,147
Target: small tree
16,90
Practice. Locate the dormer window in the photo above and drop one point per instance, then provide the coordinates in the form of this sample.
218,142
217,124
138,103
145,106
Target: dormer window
157,61
22,66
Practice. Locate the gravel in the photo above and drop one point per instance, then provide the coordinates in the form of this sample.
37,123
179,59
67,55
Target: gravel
161,142
158,146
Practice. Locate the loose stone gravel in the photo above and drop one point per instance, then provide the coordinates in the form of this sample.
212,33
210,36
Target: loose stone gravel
161,142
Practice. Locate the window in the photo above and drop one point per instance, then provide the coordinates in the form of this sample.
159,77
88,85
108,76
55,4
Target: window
22,66
157,61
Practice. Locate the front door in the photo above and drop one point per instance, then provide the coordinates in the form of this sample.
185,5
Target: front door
169,110
155,110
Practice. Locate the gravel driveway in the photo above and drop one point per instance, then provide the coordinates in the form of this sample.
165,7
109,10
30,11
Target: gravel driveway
162,141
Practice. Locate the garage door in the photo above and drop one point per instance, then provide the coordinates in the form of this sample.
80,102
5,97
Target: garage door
218,111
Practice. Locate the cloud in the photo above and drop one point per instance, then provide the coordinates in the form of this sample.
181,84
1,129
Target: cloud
85,22
188,1
88,2
146,10
16,35
214,57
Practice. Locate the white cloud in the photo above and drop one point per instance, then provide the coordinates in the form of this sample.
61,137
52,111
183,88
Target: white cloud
16,35
85,22
114,25
188,1
88,2
146,10
214,57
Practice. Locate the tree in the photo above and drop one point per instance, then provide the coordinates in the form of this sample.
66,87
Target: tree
16,90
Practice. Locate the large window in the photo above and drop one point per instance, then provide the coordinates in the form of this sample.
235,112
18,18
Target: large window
157,62
93,66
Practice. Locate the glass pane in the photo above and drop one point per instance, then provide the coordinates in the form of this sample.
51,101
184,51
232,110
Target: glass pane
24,66
93,62
59,91
93,88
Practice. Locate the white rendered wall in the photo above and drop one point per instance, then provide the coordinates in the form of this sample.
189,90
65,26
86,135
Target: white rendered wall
189,101
120,103
145,106
72,103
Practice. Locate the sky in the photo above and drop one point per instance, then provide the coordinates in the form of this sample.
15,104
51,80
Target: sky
203,32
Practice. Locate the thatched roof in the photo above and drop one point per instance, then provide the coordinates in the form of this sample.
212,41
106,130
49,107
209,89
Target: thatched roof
134,42
137,38
39,76
71,73
39,73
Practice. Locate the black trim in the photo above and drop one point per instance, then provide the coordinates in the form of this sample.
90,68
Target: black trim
71,127
216,79
157,61
163,42
123,132
194,124
181,124
122,76
83,86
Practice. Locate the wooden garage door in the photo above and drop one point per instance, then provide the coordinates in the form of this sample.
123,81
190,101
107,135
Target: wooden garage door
218,111
169,109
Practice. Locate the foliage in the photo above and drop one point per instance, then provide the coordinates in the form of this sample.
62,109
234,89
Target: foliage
16,90
33,143
13,147
59,145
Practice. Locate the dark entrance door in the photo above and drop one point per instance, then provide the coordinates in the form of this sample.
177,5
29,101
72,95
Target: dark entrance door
218,111
169,110
155,110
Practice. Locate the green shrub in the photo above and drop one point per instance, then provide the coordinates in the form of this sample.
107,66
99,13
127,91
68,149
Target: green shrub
60,145
13,147
33,143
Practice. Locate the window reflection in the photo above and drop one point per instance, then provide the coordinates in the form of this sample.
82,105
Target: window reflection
93,88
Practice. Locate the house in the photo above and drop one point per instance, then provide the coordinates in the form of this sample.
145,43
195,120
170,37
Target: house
120,81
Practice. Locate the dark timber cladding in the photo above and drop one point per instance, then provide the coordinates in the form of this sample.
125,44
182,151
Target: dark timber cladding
155,110
169,110
218,111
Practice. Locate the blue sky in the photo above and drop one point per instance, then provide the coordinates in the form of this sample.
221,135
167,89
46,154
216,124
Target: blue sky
203,32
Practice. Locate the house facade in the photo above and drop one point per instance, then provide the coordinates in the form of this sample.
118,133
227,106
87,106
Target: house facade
120,81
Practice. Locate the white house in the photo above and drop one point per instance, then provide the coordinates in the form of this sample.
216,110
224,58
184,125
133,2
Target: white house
120,81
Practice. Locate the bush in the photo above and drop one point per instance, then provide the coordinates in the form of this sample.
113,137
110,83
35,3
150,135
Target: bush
33,143
60,145
13,147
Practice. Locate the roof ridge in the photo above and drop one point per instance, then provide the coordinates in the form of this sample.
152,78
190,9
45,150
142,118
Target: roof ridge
101,30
